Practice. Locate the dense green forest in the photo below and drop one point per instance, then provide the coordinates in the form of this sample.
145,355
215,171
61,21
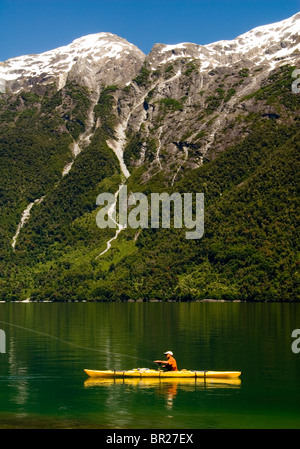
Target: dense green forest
250,246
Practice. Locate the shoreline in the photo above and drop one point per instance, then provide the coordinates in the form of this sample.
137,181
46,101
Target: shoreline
205,300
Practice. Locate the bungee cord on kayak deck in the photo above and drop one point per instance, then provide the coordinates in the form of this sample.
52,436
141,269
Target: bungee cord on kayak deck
74,344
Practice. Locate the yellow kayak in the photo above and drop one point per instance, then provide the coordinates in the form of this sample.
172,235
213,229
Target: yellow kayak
145,372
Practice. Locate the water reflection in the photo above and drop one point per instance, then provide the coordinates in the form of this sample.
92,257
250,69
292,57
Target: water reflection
169,388
185,383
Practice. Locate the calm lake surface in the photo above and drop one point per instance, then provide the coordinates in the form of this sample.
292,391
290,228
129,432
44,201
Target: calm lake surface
48,345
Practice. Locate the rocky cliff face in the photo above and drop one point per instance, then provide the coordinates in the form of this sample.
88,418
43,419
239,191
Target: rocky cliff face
177,101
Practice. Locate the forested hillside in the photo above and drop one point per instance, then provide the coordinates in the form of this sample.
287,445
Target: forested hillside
231,132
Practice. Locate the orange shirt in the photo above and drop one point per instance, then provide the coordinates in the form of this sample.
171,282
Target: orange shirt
172,365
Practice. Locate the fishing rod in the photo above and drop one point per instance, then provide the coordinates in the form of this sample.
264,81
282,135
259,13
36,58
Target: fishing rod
73,344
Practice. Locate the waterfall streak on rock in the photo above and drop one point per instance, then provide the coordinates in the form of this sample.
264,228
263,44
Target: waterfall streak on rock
111,213
24,218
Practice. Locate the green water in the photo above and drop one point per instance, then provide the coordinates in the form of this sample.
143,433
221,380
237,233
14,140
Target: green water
43,385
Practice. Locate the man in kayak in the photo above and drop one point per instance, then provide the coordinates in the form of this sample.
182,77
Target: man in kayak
169,364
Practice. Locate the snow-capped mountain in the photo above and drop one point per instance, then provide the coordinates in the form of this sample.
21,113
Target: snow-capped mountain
95,59
173,72
105,58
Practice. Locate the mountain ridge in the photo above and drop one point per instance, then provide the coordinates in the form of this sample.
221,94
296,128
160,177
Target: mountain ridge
114,46
182,118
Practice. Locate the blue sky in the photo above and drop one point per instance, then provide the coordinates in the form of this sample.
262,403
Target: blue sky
34,26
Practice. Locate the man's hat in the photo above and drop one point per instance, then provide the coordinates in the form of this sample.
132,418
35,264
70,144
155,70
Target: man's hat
168,352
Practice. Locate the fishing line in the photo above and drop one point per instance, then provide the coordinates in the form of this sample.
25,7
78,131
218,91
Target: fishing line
73,344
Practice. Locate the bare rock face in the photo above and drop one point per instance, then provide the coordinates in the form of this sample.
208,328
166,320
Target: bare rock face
187,101
111,60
